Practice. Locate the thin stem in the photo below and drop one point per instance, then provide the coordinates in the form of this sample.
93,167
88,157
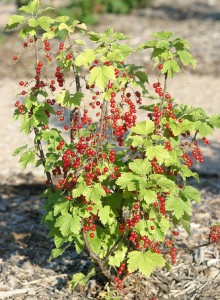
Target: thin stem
190,248
102,268
42,157
103,113
114,247
78,89
194,138
164,92
76,109
36,131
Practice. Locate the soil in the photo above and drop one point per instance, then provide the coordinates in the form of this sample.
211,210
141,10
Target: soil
26,272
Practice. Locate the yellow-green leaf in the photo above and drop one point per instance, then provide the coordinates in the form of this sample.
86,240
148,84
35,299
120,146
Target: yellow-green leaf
145,262
101,75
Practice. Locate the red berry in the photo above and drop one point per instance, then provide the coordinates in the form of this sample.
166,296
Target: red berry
160,67
92,235
175,232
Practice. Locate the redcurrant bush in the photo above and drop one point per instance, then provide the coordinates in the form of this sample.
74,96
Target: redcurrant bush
117,186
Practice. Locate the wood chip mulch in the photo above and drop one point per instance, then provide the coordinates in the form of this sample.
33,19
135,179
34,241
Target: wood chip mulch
26,273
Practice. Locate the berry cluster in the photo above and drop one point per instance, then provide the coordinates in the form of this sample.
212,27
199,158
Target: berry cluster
215,233
90,225
122,270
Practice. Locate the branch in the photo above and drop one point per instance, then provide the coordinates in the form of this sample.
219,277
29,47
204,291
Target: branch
78,89
164,92
104,272
191,248
36,131
113,248
42,157
104,108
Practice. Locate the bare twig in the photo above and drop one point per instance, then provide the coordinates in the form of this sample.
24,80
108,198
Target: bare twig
190,248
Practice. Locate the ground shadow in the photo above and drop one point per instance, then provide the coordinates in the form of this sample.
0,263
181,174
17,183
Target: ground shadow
197,10
22,236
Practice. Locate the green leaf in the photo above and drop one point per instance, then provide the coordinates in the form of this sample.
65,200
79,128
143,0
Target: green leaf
14,21
178,206
170,66
40,115
61,207
106,215
45,22
140,166
215,120
186,125
79,190
85,58
164,225
165,35
33,22
158,152
68,224
80,42
142,76
95,243
48,35
45,10
204,128
145,262
185,221
64,26
125,50
28,124
19,150
66,99
27,32
148,195
186,58
115,55
186,172
79,25
57,252
118,256
61,19
137,140
94,193
75,100
31,8
26,158
163,44
101,75
144,128
191,193
81,279
126,180
148,44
